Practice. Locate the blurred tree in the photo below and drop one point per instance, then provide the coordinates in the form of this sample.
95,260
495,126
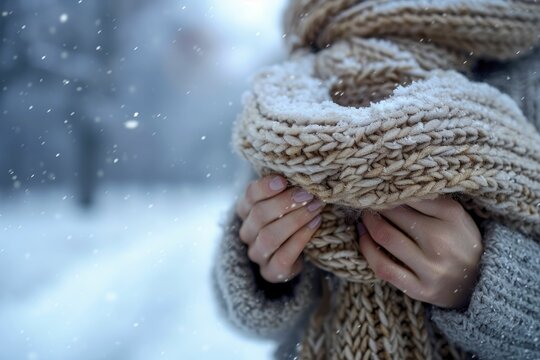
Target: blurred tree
52,48
126,90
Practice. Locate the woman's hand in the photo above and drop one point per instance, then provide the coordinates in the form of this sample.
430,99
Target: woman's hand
277,224
436,247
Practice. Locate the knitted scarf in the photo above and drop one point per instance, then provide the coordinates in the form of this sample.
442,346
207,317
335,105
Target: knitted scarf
373,109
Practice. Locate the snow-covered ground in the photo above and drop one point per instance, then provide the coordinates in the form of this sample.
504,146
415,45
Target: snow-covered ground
127,280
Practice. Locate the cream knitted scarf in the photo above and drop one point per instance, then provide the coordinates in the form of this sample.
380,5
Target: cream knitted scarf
373,110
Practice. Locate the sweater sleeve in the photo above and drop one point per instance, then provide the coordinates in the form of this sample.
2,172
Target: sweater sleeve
251,304
502,320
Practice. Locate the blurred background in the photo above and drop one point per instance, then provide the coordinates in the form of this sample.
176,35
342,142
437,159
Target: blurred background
116,171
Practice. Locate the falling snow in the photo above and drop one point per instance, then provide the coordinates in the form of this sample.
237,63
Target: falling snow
101,105
131,124
124,274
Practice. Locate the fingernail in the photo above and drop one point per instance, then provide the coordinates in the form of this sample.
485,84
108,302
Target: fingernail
361,229
315,222
302,196
314,205
277,183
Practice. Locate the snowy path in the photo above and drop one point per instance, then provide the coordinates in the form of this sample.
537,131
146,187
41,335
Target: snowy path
127,280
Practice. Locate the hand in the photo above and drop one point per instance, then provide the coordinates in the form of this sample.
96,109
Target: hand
436,247
277,224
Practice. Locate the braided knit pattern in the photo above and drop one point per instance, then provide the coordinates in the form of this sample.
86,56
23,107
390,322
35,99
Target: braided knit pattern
374,110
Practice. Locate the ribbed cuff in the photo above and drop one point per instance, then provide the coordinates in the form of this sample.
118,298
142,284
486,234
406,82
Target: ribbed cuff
502,320
249,302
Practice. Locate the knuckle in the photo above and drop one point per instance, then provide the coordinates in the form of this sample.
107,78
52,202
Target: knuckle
243,233
428,293
268,275
257,215
383,272
242,208
455,256
266,237
444,249
437,273
284,260
440,239
382,235
258,255
268,242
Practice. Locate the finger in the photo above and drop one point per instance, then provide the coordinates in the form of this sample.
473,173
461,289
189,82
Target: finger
258,190
266,211
273,276
412,223
395,242
387,270
272,236
284,259
443,208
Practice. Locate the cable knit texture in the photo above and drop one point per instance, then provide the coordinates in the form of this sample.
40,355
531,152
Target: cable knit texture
377,107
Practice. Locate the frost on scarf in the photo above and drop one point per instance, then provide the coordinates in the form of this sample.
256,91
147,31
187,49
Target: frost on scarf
374,109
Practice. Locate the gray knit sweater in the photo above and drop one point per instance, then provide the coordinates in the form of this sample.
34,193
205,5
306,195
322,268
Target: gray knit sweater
502,320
